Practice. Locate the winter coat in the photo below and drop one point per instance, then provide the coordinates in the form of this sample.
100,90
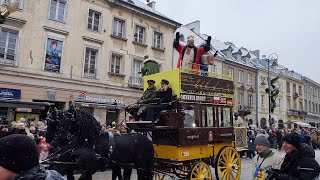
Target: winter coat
300,165
39,173
165,96
272,160
148,96
199,51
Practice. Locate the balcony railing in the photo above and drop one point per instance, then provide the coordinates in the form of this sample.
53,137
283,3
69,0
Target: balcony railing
298,113
244,110
135,82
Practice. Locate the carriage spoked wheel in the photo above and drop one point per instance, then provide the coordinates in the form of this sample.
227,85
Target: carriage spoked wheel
158,176
201,171
228,164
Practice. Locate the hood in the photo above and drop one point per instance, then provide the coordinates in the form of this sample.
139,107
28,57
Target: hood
304,151
39,173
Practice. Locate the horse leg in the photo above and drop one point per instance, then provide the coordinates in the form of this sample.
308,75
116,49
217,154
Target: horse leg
144,170
70,175
85,176
116,172
127,173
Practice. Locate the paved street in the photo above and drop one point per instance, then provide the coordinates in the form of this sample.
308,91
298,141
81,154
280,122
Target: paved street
245,173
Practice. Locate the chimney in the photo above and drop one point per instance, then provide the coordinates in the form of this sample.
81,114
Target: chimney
152,4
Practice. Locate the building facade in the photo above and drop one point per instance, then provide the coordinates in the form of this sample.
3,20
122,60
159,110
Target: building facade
87,52
278,117
295,99
312,101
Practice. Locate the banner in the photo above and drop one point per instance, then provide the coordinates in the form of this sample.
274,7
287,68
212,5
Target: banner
53,55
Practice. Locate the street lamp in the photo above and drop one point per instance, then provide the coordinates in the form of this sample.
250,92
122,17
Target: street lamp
272,58
11,8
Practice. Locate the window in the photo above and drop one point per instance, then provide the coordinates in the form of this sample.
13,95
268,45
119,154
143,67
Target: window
58,10
300,90
279,104
139,35
115,64
94,20
250,100
231,72
241,76
8,43
288,87
309,106
294,89
157,40
7,2
305,105
137,65
262,101
90,62
118,27
249,79
240,99
316,105
313,108
288,103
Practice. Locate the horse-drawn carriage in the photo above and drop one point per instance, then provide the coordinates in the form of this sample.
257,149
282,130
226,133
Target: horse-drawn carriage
197,132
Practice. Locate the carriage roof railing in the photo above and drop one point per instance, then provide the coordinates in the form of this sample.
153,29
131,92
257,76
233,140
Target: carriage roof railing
213,71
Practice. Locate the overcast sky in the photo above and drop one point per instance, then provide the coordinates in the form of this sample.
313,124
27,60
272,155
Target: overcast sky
289,28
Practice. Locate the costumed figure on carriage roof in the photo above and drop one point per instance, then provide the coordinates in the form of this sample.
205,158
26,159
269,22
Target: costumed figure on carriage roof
189,55
149,67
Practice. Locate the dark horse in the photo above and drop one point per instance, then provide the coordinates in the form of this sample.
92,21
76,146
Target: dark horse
75,137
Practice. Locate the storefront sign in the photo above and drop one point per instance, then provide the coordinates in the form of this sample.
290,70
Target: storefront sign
85,98
198,98
10,93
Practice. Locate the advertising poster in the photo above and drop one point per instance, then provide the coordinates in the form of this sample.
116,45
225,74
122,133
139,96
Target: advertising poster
31,117
53,55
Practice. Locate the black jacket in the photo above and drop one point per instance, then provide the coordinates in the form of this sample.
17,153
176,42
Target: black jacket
165,96
300,165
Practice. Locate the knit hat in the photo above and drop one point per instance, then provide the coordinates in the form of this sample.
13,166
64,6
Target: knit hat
293,139
262,140
18,153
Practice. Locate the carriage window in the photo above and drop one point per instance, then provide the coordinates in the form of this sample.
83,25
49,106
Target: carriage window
224,117
208,116
189,116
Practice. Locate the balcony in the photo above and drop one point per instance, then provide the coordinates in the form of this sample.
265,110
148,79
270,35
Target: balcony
244,110
297,113
135,82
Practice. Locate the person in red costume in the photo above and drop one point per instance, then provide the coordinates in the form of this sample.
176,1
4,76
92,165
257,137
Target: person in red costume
189,55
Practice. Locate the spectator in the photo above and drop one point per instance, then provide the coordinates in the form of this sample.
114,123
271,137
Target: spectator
265,157
279,138
303,136
19,160
299,162
5,131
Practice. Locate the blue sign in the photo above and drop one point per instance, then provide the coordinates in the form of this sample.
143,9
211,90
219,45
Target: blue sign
10,93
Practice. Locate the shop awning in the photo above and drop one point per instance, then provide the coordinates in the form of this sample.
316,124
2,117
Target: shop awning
23,104
301,124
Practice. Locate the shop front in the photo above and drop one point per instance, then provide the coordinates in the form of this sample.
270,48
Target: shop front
104,109
11,103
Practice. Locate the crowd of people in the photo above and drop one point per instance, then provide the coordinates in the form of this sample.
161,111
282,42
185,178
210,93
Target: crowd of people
297,144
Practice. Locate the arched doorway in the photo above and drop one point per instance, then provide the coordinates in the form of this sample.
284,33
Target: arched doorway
250,122
280,124
263,122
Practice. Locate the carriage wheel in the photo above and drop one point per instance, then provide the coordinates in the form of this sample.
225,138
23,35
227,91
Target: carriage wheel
228,164
201,171
158,176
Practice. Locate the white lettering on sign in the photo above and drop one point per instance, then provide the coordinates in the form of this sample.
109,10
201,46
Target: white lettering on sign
185,154
188,97
6,93
84,97
226,134
193,137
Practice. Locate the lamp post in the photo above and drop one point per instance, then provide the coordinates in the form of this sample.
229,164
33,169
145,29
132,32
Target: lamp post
273,57
11,8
